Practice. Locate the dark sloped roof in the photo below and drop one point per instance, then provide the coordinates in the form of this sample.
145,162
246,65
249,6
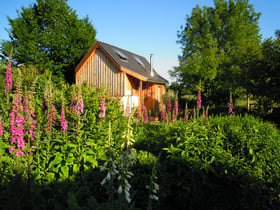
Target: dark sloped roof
133,62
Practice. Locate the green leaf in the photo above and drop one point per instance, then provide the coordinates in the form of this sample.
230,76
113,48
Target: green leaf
57,160
65,171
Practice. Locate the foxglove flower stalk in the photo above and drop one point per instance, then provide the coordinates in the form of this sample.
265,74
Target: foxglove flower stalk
77,104
230,109
206,114
51,116
162,115
1,127
103,109
17,123
128,110
168,105
176,108
186,116
146,117
9,80
199,98
49,98
29,110
63,121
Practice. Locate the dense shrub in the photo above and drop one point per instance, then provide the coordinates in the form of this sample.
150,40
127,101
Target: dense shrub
223,163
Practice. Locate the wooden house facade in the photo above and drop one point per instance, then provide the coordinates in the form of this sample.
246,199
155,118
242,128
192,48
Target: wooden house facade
124,74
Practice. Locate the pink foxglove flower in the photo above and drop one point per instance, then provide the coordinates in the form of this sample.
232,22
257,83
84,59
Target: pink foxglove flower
146,117
29,110
17,123
103,109
143,108
1,128
186,117
198,99
205,117
168,105
63,121
77,105
176,108
9,80
230,109
51,116
162,115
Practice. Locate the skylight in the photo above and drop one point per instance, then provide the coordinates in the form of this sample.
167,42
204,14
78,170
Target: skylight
139,61
120,54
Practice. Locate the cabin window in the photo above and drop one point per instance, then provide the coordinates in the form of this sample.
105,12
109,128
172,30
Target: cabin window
159,95
139,61
121,55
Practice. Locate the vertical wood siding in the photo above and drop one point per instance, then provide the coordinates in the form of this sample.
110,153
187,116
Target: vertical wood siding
99,70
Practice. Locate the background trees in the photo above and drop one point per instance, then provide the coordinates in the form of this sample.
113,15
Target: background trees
213,40
50,35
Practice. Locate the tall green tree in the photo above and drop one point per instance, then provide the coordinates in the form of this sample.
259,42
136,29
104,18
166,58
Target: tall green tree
50,35
210,40
267,75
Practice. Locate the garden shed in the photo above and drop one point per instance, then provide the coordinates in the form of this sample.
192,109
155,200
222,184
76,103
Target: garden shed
124,74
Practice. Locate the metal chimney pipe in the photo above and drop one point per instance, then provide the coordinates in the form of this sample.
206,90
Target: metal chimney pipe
151,64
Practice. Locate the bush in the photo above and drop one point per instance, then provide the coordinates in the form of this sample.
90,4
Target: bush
223,163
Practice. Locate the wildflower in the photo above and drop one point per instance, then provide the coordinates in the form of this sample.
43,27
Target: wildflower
1,128
230,109
29,110
168,105
63,121
51,116
199,97
205,117
186,116
17,122
143,108
12,149
103,108
146,117
176,108
77,104
128,110
9,80
49,98
162,115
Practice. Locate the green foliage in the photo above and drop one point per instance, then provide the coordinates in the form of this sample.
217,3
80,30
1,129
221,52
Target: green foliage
49,35
266,86
223,163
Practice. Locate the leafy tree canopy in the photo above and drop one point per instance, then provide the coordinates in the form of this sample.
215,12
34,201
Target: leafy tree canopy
211,40
50,35
266,85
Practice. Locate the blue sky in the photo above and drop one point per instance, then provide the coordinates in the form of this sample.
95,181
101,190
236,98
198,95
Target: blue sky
144,26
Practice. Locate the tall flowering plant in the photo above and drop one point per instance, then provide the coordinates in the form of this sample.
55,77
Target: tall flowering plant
1,127
230,108
102,108
17,122
186,115
168,104
63,121
198,102
8,79
49,98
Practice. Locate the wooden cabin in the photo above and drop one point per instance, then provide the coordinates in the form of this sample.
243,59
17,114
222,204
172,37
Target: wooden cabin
124,73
